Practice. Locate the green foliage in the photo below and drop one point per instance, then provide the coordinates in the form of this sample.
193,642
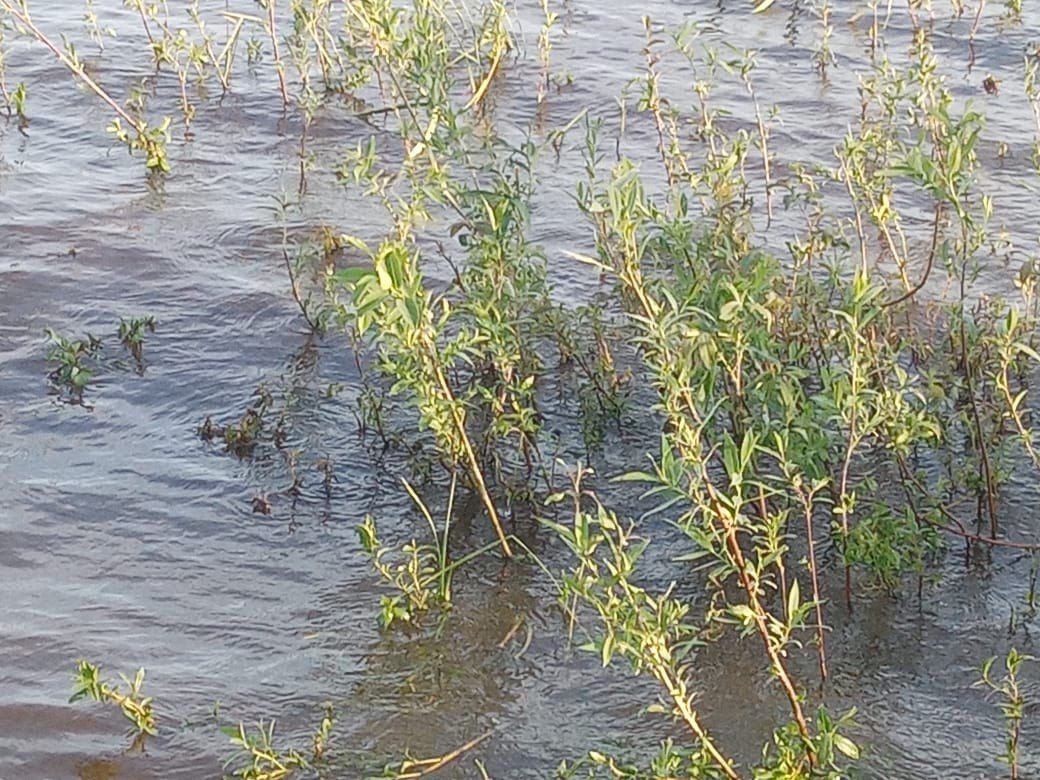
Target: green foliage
132,131
788,393
890,545
804,392
413,579
132,332
671,761
422,575
135,707
150,140
656,635
72,359
258,757
74,362
18,99
1012,703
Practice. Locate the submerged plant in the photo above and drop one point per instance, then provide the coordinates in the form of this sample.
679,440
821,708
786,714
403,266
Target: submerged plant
72,359
823,396
132,332
135,706
1012,703
422,576
258,757
242,436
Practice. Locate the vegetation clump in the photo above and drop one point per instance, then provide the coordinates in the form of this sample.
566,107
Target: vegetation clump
72,359
135,706
257,757
132,332
829,399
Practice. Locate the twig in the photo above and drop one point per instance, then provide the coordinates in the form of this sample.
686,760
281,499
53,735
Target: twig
806,499
428,766
959,530
928,265
272,31
73,66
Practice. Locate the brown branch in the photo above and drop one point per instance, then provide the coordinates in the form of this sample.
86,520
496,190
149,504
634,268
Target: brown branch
959,530
928,265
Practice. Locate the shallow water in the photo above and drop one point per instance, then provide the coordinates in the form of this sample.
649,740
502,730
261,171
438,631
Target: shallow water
126,539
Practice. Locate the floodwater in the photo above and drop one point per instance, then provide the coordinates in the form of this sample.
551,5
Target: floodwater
127,540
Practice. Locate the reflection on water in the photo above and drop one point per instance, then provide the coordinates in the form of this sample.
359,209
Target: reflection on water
126,538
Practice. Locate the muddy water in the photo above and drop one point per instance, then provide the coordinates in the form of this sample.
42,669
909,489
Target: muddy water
127,540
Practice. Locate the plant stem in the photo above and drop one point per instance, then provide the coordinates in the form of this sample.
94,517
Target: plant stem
272,31
73,66
459,419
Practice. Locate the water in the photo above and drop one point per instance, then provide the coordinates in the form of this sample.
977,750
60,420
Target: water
127,540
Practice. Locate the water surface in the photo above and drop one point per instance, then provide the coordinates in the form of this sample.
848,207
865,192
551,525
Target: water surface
128,540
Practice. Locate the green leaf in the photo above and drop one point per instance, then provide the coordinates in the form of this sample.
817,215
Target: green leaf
793,600
348,277
846,746
636,476
743,613
1028,351
729,311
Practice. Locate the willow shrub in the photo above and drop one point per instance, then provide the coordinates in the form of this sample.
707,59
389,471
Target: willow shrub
805,401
